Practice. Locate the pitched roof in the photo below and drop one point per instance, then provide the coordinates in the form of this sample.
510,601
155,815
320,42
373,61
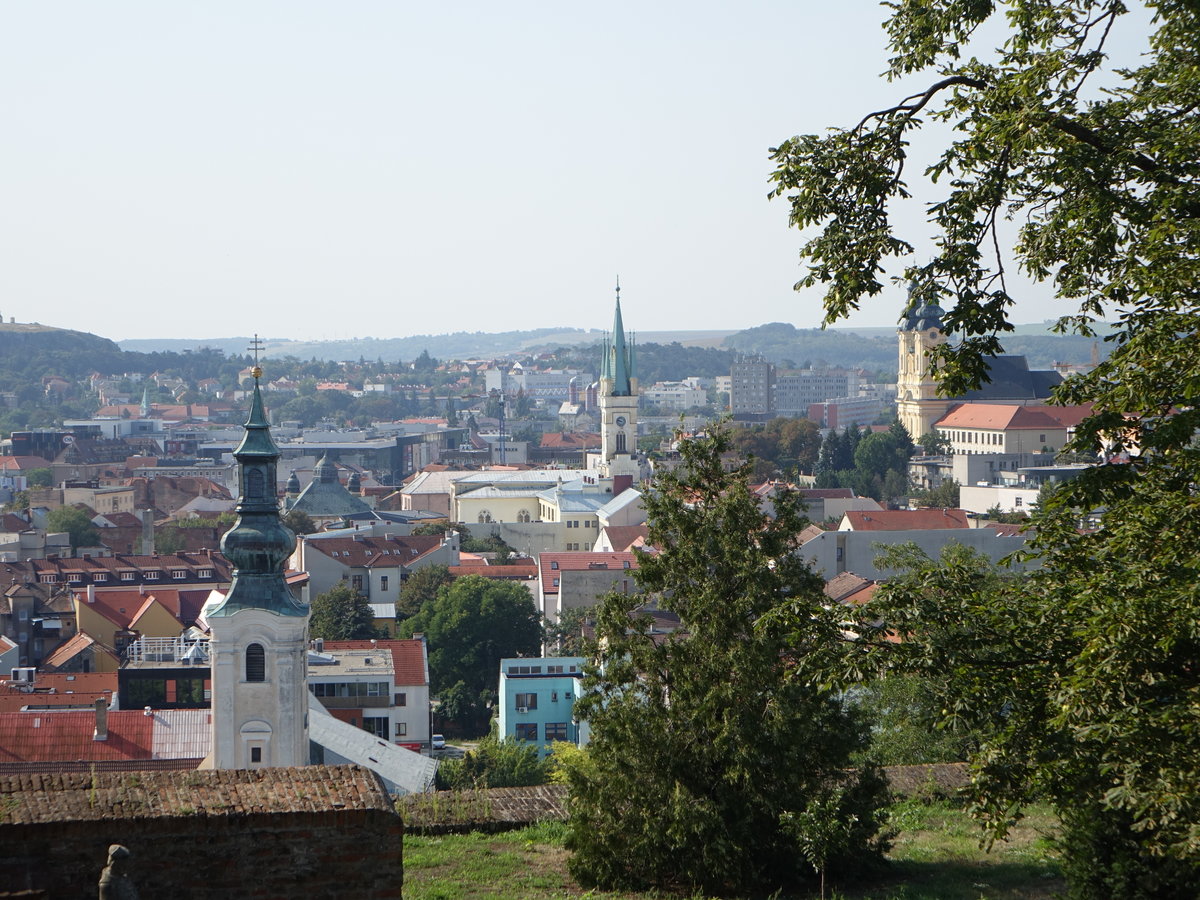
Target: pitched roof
499,573
1010,378
626,537
61,689
408,657
389,552
551,565
905,519
72,648
22,463
235,793
570,440
850,588
1010,417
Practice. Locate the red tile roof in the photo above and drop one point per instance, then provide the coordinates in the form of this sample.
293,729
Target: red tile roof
906,519
1010,417
73,648
67,735
22,463
552,564
626,537
408,657
371,551
60,689
569,440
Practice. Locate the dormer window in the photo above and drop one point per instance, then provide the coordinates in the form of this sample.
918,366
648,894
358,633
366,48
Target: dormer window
100,577
152,576
128,576
205,573
74,578
179,574
48,579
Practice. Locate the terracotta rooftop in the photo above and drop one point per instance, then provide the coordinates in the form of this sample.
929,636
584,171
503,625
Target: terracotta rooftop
371,551
408,657
89,796
551,564
553,440
850,588
626,537
905,519
1008,417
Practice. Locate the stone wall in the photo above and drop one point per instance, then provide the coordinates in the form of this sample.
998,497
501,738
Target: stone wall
314,832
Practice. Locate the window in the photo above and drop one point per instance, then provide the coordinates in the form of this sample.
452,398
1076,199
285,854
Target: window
74,578
556,731
179,574
554,670
376,725
523,516
1020,501
127,576
485,517
205,573
152,576
383,582
554,564
400,700
527,731
401,729
356,582
254,485
100,577
48,579
527,701
256,754
256,663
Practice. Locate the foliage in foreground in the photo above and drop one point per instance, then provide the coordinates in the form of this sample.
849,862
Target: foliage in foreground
493,763
707,764
936,856
1082,681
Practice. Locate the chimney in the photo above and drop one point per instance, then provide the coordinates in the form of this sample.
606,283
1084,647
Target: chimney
91,593
621,483
101,720
147,531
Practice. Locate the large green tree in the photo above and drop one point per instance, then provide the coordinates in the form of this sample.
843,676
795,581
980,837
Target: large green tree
341,614
76,523
704,754
470,626
1085,176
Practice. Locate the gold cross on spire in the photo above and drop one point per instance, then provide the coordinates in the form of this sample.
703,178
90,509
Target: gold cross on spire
255,347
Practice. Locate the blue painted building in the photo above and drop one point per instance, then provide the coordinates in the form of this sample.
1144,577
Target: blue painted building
537,700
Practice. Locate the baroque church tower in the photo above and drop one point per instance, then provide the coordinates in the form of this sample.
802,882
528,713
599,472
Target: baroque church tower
259,645
618,398
918,405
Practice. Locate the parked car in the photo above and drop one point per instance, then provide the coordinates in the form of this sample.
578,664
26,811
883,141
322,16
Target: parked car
438,742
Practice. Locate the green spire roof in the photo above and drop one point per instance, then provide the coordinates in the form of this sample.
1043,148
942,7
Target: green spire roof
617,364
259,544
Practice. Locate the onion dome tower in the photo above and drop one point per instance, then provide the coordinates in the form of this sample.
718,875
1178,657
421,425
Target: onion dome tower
918,405
259,630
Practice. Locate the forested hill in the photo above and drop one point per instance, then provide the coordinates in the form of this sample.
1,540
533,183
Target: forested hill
789,346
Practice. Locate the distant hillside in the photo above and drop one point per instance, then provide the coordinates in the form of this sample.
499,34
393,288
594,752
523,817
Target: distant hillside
875,348
459,345
40,349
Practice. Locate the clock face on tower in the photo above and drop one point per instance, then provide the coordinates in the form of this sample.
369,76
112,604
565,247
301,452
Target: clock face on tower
620,421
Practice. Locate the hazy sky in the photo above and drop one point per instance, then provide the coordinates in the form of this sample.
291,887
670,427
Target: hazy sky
321,169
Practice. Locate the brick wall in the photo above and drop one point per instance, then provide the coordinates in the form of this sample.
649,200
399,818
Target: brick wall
278,833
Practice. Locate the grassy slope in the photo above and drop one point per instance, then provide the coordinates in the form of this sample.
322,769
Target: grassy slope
936,856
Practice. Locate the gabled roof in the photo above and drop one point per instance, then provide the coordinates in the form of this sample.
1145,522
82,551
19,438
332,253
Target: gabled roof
552,565
850,588
22,463
72,648
904,519
570,440
389,552
626,537
1010,378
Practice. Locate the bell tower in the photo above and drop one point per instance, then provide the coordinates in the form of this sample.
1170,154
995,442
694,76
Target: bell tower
618,398
918,405
259,630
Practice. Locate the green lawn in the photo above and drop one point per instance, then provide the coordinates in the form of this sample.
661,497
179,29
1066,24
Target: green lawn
936,856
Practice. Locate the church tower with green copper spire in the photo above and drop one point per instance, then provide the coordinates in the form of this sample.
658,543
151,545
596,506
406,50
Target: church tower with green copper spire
618,398
259,630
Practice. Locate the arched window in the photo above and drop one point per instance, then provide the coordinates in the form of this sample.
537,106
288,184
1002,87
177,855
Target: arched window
620,442
523,516
256,663
485,517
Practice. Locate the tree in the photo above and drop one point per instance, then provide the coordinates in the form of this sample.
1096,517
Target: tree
494,763
40,477
934,443
701,745
1095,672
945,495
566,637
471,625
299,521
341,614
76,523
420,588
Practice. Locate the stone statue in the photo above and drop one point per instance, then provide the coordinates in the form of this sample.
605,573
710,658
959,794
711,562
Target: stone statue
114,880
